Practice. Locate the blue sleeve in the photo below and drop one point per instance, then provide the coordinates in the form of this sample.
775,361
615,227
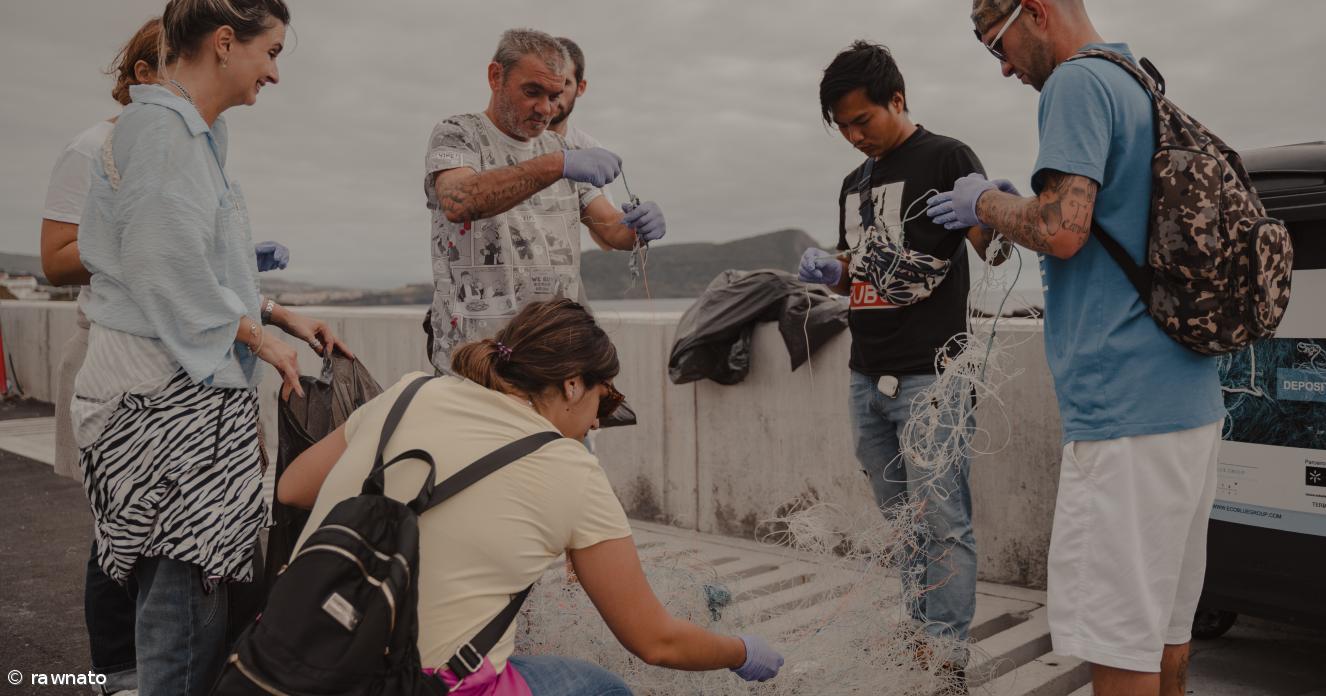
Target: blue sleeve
1076,125
170,209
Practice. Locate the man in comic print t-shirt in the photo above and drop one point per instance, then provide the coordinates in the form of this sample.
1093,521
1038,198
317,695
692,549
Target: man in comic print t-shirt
507,200
896,346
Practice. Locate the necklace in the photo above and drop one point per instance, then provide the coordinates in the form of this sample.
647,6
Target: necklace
183,92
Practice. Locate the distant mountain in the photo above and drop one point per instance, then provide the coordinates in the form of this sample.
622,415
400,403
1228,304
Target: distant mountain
293,293
685,270
673,270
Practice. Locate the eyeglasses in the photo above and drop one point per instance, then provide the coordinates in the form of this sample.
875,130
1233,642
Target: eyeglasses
996,45
609,402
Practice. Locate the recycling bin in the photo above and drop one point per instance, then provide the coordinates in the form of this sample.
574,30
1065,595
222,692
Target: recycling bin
1266,552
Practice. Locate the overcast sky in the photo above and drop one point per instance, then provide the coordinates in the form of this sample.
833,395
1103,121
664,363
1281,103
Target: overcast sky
712,104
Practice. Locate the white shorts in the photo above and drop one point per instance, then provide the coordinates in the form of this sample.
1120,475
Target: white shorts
1128,548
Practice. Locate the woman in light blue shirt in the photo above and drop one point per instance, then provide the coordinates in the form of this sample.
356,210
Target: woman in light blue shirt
165,408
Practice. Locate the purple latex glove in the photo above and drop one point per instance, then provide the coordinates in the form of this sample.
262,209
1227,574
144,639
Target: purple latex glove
762,662
594,166
272,256
646,219
956,209
819,266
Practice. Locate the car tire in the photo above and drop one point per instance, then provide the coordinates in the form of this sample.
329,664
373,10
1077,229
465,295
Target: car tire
1209,624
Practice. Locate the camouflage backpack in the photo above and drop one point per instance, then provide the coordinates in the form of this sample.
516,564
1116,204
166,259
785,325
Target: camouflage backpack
1217,269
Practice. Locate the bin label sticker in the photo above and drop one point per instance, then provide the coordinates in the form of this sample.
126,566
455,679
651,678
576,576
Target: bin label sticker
1300,385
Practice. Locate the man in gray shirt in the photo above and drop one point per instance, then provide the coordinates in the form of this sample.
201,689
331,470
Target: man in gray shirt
507,198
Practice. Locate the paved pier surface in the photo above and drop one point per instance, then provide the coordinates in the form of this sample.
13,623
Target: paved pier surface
44,548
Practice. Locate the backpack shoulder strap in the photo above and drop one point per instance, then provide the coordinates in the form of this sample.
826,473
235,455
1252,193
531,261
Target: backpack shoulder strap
1154,72
866,205
1143,77
373,484
469,657
488,464
1136,274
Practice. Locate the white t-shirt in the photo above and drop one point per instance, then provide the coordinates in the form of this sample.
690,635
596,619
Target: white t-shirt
72,175
495,538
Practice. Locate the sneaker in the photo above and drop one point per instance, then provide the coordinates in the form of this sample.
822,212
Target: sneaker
950,679
953,681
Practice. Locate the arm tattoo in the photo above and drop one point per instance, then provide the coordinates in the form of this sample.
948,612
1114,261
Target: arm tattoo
492,192
1062,212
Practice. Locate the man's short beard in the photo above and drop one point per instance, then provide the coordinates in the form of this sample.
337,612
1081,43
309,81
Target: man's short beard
1042,65
559,119
511,122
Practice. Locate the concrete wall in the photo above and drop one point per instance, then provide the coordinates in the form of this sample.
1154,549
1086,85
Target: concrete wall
34,334
705,456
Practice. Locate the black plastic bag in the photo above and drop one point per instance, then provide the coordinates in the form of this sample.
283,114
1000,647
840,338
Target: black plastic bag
328,401
828,318
714,335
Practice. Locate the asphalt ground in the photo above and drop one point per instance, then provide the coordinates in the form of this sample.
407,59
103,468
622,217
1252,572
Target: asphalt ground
45,536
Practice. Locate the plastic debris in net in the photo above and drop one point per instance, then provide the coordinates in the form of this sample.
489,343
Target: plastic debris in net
716,597
640,252
714,335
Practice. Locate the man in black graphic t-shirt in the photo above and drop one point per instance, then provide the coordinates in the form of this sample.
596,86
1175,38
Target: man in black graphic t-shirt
888,338
908,281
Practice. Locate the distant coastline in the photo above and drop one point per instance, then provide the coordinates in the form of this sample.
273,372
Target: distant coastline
676,275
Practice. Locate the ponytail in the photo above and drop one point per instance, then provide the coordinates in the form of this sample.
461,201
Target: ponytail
146,45
544,345
478,362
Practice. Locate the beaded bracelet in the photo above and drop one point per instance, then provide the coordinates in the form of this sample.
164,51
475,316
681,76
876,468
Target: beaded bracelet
256,337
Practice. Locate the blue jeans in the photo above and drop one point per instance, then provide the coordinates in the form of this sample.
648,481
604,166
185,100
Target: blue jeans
108,608
939,570
181,629
549,675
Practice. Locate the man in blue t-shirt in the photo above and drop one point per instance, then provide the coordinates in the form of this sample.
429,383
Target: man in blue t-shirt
1141,414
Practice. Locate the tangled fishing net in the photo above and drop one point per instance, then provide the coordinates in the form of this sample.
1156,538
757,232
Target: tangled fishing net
846,628
847,634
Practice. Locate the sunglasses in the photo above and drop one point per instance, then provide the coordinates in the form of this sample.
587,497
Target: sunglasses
609,402
996,45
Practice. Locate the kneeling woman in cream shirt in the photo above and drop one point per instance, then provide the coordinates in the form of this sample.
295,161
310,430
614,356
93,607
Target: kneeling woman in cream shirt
550,368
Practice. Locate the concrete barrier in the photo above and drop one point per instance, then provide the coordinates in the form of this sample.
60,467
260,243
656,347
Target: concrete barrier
34,336
705,456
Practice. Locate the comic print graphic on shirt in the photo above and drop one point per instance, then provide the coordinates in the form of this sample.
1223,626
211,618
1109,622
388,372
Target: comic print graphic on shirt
888,220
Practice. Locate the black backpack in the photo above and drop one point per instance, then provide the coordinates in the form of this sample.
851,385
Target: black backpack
342,618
